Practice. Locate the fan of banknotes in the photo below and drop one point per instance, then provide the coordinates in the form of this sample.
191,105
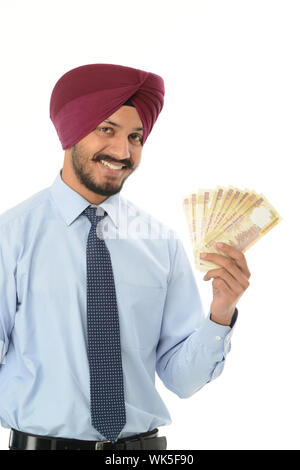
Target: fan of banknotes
227,214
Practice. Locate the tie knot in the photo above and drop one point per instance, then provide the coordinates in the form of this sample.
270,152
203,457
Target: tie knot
94,218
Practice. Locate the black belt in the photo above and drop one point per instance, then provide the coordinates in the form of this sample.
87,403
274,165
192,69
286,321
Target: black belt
147,440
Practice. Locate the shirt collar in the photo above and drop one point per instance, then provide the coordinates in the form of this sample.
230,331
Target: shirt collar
71,204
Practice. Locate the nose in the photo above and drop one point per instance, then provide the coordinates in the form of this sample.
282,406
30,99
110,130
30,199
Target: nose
119,148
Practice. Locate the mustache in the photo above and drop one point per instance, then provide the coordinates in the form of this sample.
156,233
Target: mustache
108,159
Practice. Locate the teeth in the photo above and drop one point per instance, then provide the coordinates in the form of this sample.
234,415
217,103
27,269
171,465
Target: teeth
110,165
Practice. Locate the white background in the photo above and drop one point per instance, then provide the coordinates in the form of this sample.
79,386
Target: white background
231,117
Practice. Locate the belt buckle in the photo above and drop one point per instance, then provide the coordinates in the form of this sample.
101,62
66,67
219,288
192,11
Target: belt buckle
99,445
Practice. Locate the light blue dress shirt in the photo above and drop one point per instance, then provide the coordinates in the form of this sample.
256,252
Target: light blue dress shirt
44,371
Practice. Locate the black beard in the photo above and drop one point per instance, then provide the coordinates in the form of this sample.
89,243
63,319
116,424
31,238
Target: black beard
86,180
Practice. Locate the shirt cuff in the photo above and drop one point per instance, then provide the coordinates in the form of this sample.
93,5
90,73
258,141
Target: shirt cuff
214,337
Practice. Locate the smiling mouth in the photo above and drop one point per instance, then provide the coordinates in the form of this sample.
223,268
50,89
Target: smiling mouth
111,168
112,165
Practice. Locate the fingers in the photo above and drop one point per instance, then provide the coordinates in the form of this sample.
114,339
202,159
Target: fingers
237,284
235,264
219,284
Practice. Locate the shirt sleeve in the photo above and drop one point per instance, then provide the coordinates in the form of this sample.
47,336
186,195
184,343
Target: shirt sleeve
8,296
192,348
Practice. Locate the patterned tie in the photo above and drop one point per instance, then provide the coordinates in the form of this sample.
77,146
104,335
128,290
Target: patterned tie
104,349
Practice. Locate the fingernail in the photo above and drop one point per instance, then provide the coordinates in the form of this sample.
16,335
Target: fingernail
202,255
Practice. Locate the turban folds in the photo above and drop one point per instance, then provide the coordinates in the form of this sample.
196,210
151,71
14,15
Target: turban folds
87,95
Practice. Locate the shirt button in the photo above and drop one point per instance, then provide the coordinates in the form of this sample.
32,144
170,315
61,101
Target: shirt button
218,338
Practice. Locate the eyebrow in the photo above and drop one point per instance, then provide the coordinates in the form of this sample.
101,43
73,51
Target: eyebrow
117,125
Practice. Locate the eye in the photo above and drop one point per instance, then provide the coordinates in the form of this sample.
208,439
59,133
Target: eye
138,137
100,128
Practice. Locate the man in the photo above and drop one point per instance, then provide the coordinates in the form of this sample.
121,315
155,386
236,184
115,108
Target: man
91,306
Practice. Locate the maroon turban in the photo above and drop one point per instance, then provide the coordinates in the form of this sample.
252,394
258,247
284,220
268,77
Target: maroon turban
89,94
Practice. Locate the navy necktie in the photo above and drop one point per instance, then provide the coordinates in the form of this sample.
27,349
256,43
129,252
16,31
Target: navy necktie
104,348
